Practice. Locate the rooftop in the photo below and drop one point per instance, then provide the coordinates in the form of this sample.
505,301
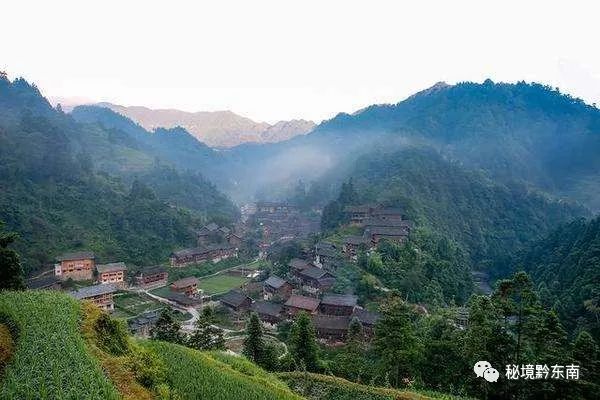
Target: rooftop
155,269
267,308
185,282
275,282
111,267
80,255
303,302
366,317
355,240
387,231
93,291
234,298
346,300
296,263
42,282
314,273
331,322
183,299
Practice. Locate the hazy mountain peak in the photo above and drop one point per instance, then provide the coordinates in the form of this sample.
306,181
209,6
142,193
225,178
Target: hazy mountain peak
215,128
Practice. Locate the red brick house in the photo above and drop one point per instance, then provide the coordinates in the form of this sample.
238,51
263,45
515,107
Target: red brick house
112,273
77,266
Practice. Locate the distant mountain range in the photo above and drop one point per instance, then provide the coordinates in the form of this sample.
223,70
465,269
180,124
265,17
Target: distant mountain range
214,128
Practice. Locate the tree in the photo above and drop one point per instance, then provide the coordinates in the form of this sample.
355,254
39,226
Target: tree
587,355
254,345
355,330
167,328
303,346
396,341
207,336
11,271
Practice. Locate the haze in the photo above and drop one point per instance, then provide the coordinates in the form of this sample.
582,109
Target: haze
273,60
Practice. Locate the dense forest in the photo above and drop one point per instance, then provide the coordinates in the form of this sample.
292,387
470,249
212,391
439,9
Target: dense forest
67,186
488,219
566,267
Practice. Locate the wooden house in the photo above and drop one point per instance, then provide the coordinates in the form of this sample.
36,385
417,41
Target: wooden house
77,266
331,327
358,214
275,287
353,244
143,324
184,299
338,304
377,233
236,301
187,286
112,273
326,256
368,319
315,280
212,252
100,295
297,264
296,304
152,277
269,313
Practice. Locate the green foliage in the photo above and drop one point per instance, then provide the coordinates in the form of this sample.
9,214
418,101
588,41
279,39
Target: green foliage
112,335
11,271
566,267
167,328
197,375
303,346
147,368
254,345
396,342
51,360
207,336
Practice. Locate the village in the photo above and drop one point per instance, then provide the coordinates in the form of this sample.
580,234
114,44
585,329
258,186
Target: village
215,274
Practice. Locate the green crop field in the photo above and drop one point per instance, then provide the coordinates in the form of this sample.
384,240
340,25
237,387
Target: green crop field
197,375
221,283
129,305
51,360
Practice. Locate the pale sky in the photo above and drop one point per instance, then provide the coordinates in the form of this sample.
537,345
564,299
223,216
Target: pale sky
274,60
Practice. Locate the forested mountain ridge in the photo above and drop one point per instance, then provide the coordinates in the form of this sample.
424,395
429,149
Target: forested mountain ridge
489,220
63,187
566,266
521,132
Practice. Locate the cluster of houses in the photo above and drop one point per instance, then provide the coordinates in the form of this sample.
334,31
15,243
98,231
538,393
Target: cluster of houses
215,243
331,314
379,223
284,221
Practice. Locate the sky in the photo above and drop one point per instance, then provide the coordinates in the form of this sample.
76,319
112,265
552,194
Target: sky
277,60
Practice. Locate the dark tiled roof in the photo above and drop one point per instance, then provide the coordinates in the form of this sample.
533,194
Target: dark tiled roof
366,317
267,308
185,282
372,222
112,267
314,273
332,322
296,263
234,298
388,211
347,300
303,302
355,240
211,227
182,299
357,209
325,249
224,229
42,282
275,282
92,291
80,255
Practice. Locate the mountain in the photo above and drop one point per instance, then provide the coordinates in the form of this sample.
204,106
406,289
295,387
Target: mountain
215,128
522,132
566,266
66,185
490,220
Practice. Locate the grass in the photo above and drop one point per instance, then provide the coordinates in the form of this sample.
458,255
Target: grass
324,387
198,375
51,360
221,283
202,269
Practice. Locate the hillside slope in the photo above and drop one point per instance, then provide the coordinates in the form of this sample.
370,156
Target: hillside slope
488,219
67,186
